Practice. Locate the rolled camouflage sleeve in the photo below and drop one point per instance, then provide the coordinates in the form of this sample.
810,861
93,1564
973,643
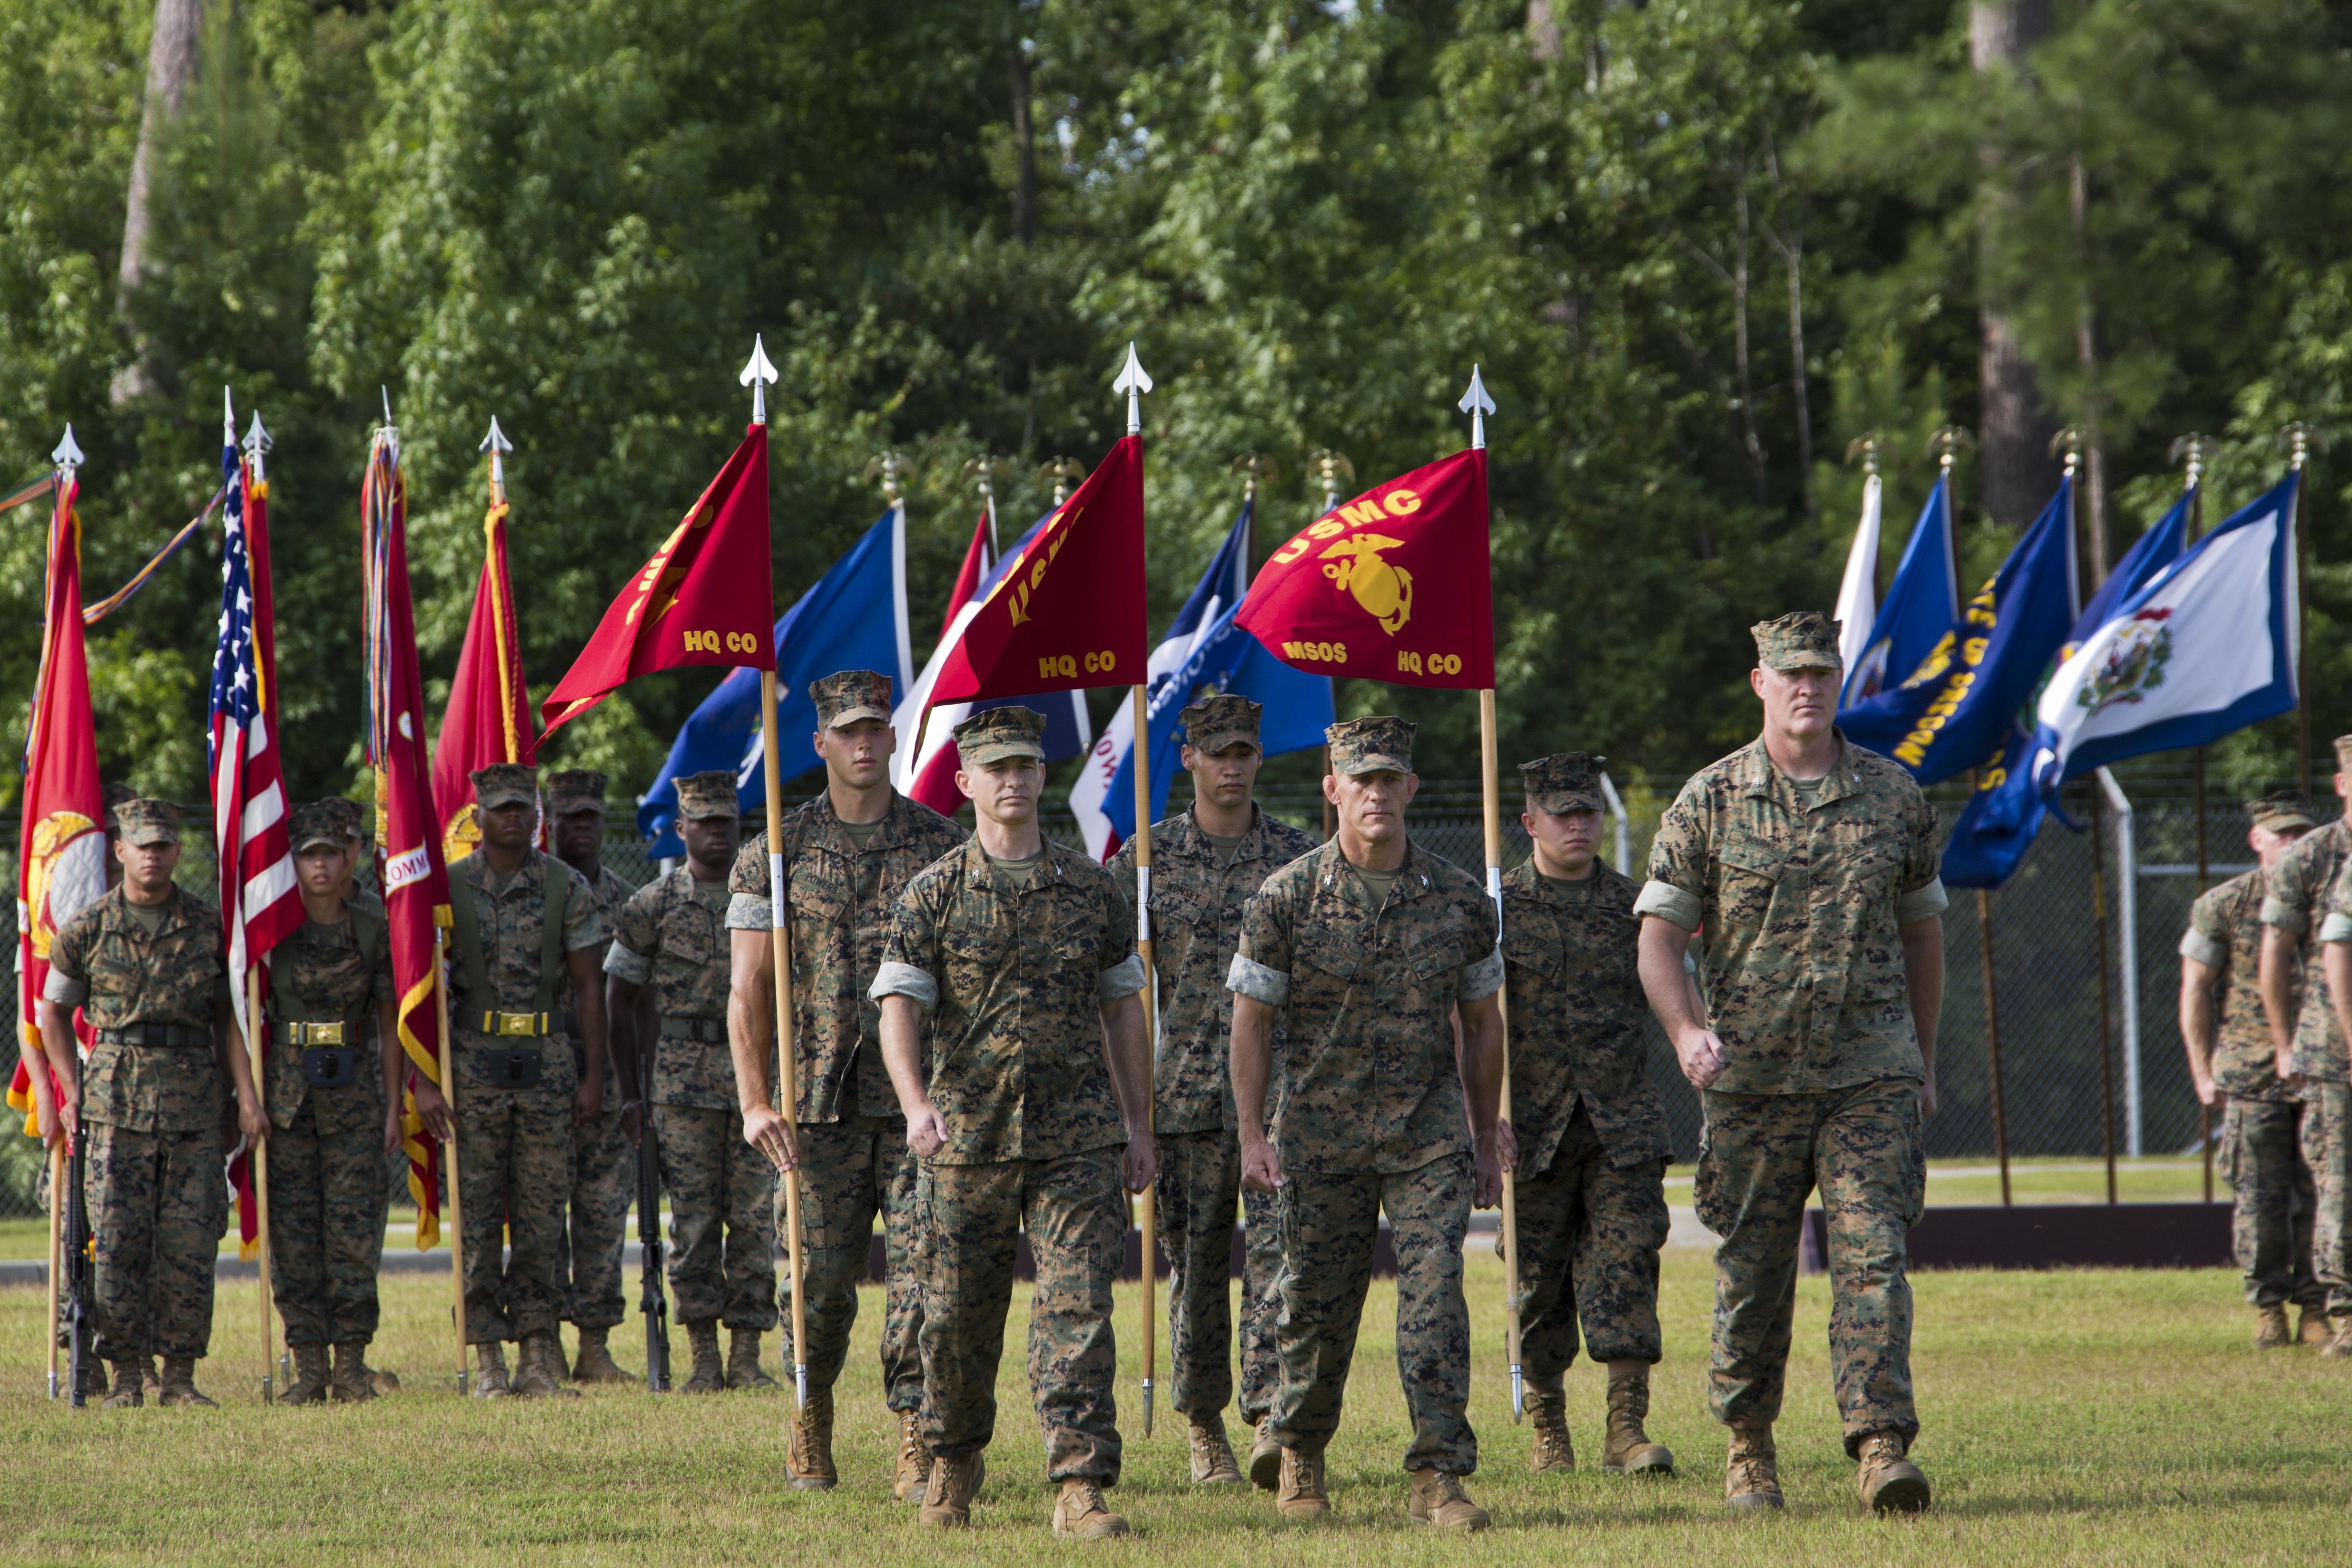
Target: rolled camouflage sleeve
583,922
1923,896
64,990
1261,966
2284,901
626,964
748,905
1676,889
909,955
637,934
68,985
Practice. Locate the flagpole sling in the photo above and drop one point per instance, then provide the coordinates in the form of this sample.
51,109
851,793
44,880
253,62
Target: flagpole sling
787,1071
450,1205
257,1167
1149,1209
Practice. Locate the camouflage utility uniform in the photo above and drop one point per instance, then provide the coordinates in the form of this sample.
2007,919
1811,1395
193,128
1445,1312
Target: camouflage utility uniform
1014,968
2262,1124
854,1164
327,1191
2305,897
1369,1116
1197,899
514,1144
1592,1172
152,1099
722,1264
604,1162
1800,889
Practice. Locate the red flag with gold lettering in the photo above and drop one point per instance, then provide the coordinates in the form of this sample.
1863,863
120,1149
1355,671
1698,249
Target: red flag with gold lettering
705,597
1069,611
1394,586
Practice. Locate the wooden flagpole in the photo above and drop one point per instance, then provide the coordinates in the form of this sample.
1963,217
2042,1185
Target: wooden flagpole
450,1209
56,1237
787,1071
1150,1207
256,1164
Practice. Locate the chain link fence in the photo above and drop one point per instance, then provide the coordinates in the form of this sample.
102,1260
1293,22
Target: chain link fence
2048,1001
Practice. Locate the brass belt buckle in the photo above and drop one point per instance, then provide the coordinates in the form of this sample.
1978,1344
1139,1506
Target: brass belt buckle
525,1024
323,1034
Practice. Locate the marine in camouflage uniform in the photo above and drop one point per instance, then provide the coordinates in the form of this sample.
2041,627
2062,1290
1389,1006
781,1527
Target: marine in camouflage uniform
1593,1145
330,992
603,1149
1802,890
516,1084
1023,966
151,987
2230,1055
668,957
2310,904
1199,885
1370,1114
841,882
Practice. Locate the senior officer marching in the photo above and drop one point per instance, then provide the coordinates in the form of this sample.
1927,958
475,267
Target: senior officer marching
2307,1033
1206,864
1023,953
143,962
667,967
1591,1136
2232,1065
1373,944
846,855
1811,866
603,1154
333,1088
524,922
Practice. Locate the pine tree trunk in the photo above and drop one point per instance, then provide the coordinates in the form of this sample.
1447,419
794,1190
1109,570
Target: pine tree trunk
2013,428
170,67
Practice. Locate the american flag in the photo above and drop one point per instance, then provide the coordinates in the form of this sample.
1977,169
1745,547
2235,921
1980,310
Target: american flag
260,903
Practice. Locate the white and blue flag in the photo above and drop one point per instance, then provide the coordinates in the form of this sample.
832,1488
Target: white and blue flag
1921,604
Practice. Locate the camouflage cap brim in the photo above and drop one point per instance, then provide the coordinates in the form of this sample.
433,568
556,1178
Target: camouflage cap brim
1360,762
1561,802
996,746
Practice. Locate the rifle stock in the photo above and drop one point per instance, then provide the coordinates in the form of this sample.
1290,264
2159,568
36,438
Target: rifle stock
653,1302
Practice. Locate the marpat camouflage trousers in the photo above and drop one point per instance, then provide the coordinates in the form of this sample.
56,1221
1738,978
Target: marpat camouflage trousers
1760,1156
514,1169
327,1203
158,1204
1199,1187
722,1224
603,1185
1331,1223
2327,1150
852,1171
1074,1212
1590,1232
2270,1229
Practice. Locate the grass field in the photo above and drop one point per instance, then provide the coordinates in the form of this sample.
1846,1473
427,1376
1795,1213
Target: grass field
2088,1417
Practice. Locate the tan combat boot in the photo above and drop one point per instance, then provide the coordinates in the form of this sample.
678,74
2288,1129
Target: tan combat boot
538,1369
2311,1324
914,1460
1213,1456
808,1450
130,1387
180,1384
490,1370
1265,1457
2270,1328
1081,1513
1891,1483
1439,1500
149,1378
709,1377
1751,1475
947,1501
1553,1454
1627,1450
595,1364
743,1369
309,1385
1299,1493
352,1384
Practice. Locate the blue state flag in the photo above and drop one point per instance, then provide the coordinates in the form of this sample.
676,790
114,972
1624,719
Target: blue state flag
1921,605
1298,709
2001,820
854,618
1955,710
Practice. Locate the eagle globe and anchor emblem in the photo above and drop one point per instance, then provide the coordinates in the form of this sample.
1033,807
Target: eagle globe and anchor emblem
1383,588
68,873
2133,665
